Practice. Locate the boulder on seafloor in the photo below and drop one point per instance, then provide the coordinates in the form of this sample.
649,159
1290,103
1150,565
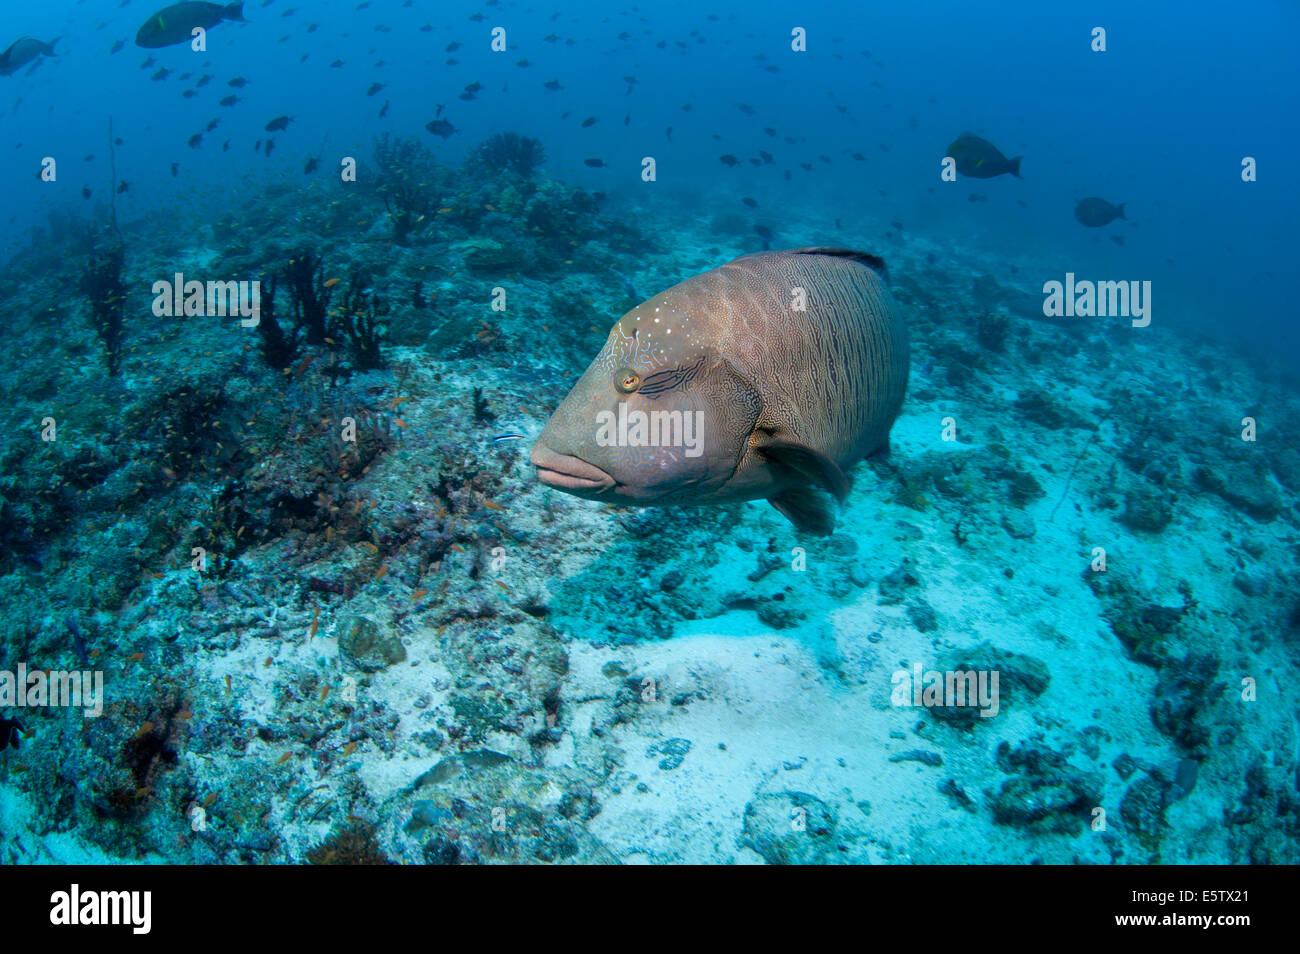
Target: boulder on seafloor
790,828
366,646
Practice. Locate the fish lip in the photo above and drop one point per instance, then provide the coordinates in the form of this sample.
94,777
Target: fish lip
566,472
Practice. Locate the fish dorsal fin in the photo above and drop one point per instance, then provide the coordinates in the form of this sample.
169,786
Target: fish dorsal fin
873,262
806,509
811,464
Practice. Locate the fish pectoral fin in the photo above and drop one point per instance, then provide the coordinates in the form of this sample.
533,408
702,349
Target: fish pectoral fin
812,464
806,509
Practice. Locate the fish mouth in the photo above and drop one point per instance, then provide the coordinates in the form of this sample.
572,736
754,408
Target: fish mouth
566,472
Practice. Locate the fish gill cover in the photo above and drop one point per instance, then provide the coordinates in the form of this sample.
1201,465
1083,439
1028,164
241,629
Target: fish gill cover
291,292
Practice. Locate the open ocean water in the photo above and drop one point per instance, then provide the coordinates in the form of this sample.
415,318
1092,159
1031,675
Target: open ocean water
343,520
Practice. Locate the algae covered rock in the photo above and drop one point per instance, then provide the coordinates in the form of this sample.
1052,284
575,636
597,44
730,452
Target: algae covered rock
363,644
790,828
1244,486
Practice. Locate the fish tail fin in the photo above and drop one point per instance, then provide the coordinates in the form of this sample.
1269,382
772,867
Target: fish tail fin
49,47
1013,166
806,510
233,11
1119,210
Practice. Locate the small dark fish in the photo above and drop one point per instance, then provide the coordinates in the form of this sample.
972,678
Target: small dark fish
117,47
85,192
627,119
1117,239
752,203
745,108
669,133
452,46
238,82
440,127
312,165
980,159
225,146
189,94
162,74
148,62
474,87
230,100
270,144
10,732
212,125
859,156
280,122
977,197
523,63
550,38
589,121
769,130
336,64
755,162
467,96
175,24
438,111
176,169
552,85
729,160
123,186
257,146
384,110
806,166
630,80
375,88
1095,213
766,157
196,140
594,163
203,80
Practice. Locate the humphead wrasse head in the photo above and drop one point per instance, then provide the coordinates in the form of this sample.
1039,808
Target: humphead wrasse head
658,417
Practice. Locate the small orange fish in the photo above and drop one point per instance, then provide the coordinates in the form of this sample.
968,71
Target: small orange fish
227,683
135,657
207,802
457,548
267,664
381,573
397,401
503,586
445,209
315,623
399,422
419,594
284,758
493,505
94,653
324,691
367,543
350,747
145,729
331,282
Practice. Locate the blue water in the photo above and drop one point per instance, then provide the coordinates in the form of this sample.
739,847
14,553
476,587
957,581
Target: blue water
859,125
1161,120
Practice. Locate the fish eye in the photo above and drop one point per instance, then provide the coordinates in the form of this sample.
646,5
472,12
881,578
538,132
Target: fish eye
627,380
